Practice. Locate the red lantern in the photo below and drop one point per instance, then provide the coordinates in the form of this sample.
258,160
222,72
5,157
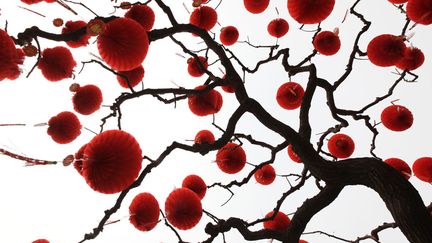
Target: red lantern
183,208
64,127
111,161
397,118
134,77
422,169
56,63
420,11
72,26
194,67
256,6
41,241
229,35
327,43
290,95
204,17
142,14
144,212
310,12
204,136
398,1
341,146
10,57
411,60
231,158
195,184
265,175
293,156
399,165
278,27
279,223
204,104
124,44
87,99
386,50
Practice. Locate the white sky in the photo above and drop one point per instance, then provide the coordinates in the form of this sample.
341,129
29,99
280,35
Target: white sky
54,202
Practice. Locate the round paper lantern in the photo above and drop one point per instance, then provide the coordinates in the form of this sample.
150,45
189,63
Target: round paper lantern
231,158
411,60
310,12
420,11
134,77
229,88
278,27
400,166
256,6
142,14
41,241
64,127
398,1
194,68
265,175
229,35
111,162
56,63
31,1
72,26
144,212
397,118
206,103
293,156
124,44
341,146
195,184
87,99
422,169
289,95
386,50
183,208
204,17
279,223
327,43
204,136
10,57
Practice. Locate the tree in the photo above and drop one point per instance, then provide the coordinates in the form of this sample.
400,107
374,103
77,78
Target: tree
312,91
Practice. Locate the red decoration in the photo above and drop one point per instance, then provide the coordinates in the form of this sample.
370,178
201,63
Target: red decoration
386,50
72,26
30,50
134,77
420,11
293,156
206,103
10,57
56,63
341,146
229,88
204,17
41,241
64,127
231,158
183,208
204,136
144,211
256,6
327,43
195,184
278,27
397,118
111,162
265,175
279,223
302,241
142,14
229,35
194,69
310,12
422,169
118,49
400,166
31,1
398,1
87,99
411,60
289,95
95,27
